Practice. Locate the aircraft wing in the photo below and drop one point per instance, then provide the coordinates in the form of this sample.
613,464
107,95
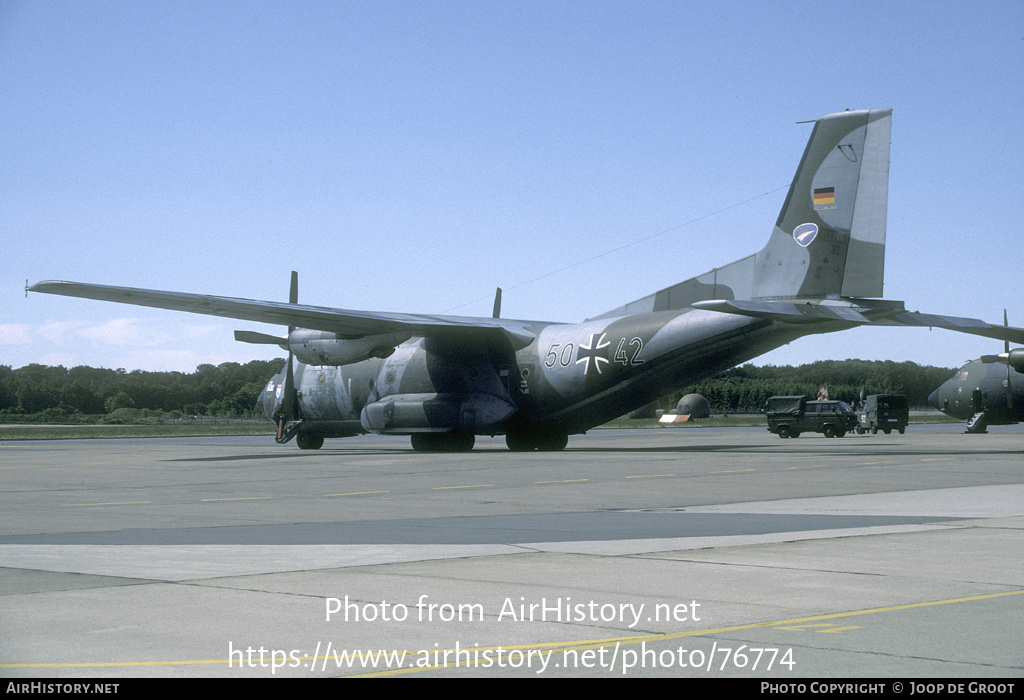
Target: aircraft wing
859,312
344,322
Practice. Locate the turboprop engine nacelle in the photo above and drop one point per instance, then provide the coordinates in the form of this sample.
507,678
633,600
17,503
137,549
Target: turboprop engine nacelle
1016,359
323,348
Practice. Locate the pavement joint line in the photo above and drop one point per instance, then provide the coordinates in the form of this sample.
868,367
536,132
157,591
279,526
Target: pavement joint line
111,503
469,486
353,493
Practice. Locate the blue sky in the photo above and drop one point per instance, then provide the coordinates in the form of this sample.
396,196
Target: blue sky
412,156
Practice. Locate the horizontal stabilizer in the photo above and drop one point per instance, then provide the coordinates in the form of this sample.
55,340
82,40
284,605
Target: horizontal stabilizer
955,323
859,312
788,312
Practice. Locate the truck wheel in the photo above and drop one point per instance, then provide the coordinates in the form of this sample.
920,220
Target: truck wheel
829,431
902,430
783,432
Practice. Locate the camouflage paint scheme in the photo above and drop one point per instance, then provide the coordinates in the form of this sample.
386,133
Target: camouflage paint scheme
444,379
986,391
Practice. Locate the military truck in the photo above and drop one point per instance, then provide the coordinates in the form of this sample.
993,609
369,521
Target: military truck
885,412
789,416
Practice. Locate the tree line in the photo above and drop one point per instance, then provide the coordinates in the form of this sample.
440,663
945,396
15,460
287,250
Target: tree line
745,389
56,394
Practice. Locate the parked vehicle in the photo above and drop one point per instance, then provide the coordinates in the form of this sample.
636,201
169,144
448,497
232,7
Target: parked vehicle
886,412
789,416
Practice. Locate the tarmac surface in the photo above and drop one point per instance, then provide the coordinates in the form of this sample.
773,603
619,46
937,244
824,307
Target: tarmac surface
700,552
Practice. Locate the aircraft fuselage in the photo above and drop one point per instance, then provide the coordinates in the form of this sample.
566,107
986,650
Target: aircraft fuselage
571,378
985,385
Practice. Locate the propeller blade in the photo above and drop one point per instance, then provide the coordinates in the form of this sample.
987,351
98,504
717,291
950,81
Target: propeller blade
497,304
285,412
261,339
1006,343
293,294
286,409
1006,349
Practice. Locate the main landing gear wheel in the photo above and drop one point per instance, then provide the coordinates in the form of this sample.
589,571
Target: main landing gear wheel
525,441
454,441
306,441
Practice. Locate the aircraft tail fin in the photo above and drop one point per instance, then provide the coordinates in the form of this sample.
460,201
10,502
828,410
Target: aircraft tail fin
829,239
835,211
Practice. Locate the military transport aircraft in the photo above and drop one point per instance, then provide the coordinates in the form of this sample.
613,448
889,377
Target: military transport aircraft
445,379
987,391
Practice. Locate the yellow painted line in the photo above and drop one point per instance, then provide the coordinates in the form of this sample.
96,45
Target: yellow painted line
578,645
810,466
649,476
733,471
248,498
353,493
112,503
470,486
115,664
839,629
598,643
561,481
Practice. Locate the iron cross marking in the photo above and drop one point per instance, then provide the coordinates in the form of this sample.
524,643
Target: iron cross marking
591,353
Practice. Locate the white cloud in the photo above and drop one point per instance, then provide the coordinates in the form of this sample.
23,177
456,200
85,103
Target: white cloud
58,359
122,332
15,334
147,343
56,332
